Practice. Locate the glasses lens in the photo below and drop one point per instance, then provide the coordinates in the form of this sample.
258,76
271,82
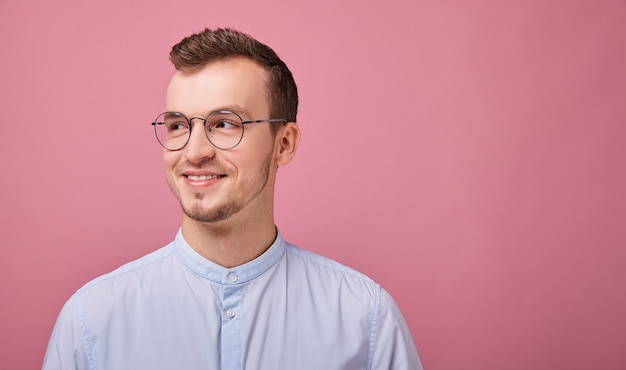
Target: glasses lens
224,129
172,130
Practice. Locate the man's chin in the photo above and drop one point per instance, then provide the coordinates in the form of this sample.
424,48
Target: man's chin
209,215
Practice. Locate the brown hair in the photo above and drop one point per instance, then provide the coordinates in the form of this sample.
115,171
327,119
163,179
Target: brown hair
199,49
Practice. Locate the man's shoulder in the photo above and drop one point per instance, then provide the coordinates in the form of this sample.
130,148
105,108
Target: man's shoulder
327,268
134,269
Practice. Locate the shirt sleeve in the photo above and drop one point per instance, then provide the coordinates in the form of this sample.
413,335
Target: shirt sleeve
393,345
67,347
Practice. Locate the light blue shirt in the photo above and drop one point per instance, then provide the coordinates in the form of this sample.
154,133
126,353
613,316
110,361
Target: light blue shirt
288,309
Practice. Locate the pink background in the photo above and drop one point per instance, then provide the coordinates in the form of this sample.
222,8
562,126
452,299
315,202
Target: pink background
467,155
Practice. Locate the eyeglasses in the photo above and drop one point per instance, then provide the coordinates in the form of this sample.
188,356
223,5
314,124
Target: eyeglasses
223,128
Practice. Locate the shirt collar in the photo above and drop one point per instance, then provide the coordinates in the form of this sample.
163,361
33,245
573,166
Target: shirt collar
229,276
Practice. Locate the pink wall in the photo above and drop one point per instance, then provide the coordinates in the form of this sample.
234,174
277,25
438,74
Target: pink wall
467,155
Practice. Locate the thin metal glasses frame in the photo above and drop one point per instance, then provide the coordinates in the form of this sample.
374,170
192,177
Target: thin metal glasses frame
155,123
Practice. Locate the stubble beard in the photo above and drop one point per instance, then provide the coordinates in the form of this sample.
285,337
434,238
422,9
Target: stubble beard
229,207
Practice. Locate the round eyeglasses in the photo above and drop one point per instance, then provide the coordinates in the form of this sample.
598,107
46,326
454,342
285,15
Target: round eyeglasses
223,128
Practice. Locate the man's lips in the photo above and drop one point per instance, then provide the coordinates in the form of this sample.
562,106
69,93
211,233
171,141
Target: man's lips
202,177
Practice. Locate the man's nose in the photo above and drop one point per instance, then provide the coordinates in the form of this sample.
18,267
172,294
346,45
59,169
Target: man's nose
198,148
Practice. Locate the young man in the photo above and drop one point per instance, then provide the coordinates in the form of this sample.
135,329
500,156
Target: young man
229,292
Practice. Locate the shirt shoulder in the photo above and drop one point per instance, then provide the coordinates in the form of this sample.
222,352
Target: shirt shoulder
328,272
142,265
311,258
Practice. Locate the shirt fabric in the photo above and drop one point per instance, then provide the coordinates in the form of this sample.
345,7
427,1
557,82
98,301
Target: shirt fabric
287,309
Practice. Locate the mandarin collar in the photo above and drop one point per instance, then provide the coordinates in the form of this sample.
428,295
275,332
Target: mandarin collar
229,276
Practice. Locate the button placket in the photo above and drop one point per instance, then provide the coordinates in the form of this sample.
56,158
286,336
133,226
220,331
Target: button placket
231,326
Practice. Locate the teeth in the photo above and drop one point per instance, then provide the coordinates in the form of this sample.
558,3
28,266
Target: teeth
202,178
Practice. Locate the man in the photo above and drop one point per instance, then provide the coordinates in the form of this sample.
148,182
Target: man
229,292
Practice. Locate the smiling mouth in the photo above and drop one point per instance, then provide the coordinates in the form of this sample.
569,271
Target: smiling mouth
203,177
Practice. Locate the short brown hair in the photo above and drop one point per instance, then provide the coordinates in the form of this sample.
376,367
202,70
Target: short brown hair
204,47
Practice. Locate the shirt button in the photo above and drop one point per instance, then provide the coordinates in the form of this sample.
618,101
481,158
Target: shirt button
230,313
233,278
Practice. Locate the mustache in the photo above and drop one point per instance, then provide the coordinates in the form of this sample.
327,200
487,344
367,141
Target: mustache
211,165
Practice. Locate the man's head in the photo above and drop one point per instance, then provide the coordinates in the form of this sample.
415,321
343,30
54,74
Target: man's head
208,46
218,71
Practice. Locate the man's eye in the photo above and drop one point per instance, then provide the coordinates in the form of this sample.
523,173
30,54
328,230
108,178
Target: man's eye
177,126
223,124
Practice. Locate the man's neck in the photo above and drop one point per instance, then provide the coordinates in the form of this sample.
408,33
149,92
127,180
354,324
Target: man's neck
228,243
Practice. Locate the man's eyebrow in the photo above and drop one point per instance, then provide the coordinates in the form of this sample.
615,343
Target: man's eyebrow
243,112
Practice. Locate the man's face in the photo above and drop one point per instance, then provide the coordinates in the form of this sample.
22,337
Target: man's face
211,184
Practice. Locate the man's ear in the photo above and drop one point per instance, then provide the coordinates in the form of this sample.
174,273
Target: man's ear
287,139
